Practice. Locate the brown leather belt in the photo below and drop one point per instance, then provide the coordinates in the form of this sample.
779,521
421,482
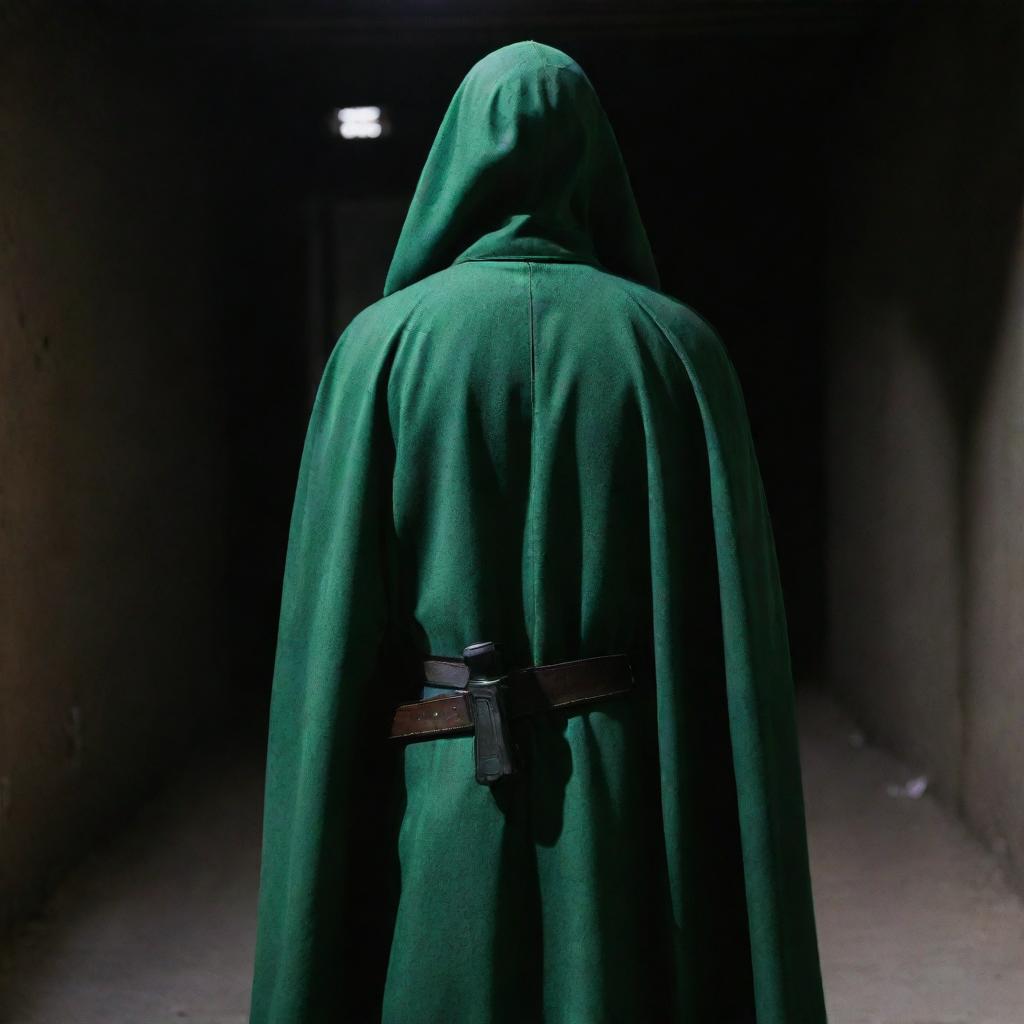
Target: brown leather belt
567,684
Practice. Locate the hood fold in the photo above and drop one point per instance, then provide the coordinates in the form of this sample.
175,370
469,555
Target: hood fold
524,166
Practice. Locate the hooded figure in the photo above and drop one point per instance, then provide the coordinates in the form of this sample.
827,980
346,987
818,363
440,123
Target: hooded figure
526,442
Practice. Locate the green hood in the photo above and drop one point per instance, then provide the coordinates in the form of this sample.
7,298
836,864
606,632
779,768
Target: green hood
525,166
528,449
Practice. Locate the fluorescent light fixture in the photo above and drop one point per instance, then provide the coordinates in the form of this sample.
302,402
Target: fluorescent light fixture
358,114
359,130
360,122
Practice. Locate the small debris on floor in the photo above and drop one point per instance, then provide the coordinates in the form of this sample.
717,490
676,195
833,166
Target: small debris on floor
914,788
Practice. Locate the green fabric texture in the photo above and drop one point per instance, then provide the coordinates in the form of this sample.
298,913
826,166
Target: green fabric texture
525,441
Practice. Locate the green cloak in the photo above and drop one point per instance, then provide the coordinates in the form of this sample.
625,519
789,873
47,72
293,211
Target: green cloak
525,441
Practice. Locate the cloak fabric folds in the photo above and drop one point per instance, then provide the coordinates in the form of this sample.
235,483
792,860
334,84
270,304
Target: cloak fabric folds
525,441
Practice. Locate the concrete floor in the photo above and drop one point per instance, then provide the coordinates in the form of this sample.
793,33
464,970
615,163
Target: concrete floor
916,924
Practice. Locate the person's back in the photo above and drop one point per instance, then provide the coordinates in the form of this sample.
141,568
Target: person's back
525,442
522,396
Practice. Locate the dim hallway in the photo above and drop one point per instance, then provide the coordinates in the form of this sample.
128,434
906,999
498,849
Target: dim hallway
185,231
916,924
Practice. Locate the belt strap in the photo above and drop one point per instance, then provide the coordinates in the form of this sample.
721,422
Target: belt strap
529,691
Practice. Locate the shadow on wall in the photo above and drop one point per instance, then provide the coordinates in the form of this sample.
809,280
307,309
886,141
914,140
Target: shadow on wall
926,435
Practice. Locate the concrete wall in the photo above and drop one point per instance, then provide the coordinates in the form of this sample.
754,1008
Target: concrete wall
926,408
111,442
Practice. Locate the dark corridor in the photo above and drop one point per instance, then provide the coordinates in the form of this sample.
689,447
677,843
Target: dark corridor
184,232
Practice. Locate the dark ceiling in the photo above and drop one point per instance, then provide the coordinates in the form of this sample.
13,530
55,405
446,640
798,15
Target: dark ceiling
326,19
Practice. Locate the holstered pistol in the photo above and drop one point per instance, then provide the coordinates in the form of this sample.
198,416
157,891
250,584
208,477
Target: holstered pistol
486,689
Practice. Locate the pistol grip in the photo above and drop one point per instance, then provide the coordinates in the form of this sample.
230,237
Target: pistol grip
492,742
